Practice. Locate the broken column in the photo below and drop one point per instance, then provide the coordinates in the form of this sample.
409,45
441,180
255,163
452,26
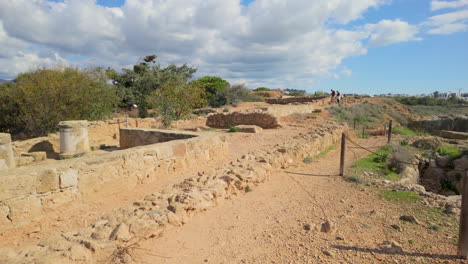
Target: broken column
7,159
73,138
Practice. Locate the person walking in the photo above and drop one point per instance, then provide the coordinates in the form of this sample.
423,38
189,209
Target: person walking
332,96
338,97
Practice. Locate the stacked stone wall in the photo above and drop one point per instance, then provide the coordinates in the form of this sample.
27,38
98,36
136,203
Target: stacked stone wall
26,192
131,137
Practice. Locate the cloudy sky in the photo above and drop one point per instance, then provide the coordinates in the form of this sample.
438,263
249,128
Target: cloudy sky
364,46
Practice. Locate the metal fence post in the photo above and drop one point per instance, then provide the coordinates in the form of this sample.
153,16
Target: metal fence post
390,131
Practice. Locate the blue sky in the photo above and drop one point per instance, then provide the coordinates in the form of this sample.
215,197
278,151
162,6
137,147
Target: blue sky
363,46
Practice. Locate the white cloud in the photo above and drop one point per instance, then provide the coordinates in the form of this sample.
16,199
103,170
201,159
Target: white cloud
437,5
272,42
388,32
448,23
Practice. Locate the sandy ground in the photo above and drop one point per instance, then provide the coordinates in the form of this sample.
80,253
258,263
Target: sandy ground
267,225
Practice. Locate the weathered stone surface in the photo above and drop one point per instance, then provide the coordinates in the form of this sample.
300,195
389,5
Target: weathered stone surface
4,214
6,152
249,129
121,232
37,156
409,218
295,99
436,125
391,247
23,161
68,178
48,181
25,208
454,134
431,143
6,255
73,138
262,120
133,137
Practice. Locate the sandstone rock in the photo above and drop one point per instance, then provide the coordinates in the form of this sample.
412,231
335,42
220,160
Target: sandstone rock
24,208
249,129
4,214
6,255
23,161
79,253
410,218
430,143
48,181
68,178
396,227
328,253
391,247
454,134
173,219
37,156
121,232
263,120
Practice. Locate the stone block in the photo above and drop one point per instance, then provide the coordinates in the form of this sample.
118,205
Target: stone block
68,178
56,199
24,208
47,181
37,156
23,161
454,134
250,129
4,214
12,186
179,150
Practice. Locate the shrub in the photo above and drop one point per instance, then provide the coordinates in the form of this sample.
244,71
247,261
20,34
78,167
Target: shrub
236,94
233,129
404,142
175,100
40,99
262,89
307,160
212,87
450,151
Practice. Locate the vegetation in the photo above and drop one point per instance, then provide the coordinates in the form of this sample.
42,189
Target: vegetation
262,89
307,160
320,94
364,113
135,85
435,110
401,196
451,151
430,101
40,99
175,100
324,152
213,88
355,179
376,163
238,93
404,131
295,92
233,129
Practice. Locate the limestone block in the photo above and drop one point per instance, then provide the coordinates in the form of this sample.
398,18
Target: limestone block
6,151
48,181
164,151
24,208
12,186
179,150
68,178
56,199
23,161
37,156
250,128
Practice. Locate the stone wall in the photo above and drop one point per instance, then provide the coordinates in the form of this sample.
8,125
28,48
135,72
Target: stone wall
435,126
263,120
25,193
133,137
7,160
290,100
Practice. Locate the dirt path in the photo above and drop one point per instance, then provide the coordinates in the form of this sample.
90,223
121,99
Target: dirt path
268,225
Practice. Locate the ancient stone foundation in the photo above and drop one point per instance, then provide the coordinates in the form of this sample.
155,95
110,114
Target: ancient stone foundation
7,159
262,120
73,138
290,100
27,193
130,138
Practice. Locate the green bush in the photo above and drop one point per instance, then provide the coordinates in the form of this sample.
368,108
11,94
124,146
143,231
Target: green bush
40,99
307,160
213,86
262,89
404,131
175,100
238,93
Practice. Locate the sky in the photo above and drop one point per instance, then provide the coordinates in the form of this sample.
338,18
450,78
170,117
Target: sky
355,46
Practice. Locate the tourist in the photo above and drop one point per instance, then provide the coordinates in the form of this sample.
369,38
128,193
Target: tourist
332,96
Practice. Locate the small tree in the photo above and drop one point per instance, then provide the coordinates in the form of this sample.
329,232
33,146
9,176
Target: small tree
175,100
213,86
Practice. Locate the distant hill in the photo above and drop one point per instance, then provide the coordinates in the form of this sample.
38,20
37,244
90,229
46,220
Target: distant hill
2,81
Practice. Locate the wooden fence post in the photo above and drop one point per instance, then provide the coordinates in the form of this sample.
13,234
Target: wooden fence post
463,235
343,152
136,122
390,131
126,121
354,124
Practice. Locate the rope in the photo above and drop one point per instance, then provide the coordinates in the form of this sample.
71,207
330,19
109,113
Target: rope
314,199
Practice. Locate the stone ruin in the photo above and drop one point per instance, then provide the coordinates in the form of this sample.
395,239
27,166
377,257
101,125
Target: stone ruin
7,159
263,120
73,138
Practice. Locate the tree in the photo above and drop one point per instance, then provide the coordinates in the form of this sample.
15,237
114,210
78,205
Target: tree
40,99
436,94
213,86
146,76
262,89
176,99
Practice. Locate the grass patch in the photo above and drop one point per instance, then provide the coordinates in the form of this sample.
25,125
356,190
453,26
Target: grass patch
248,189
234,129
400,196
307,160
324,152
404,131
374,162
355,179
450,151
